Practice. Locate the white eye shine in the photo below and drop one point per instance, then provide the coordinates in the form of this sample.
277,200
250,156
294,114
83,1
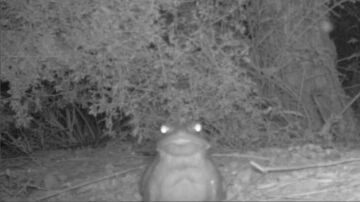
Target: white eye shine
197,127
164,129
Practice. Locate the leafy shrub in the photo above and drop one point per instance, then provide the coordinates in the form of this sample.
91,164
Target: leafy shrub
158,61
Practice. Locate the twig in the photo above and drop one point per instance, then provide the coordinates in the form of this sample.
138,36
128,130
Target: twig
309,193
335,118
88,182
6,190
350,103
241,156
292,168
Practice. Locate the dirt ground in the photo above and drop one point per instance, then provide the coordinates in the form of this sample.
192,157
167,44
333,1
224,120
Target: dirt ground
111,173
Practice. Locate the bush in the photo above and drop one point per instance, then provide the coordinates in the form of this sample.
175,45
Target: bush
158,61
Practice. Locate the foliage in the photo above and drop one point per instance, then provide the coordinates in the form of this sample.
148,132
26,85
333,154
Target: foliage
156,60
71,63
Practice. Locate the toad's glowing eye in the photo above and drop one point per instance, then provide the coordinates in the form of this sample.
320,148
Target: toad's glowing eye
164,129
197,127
